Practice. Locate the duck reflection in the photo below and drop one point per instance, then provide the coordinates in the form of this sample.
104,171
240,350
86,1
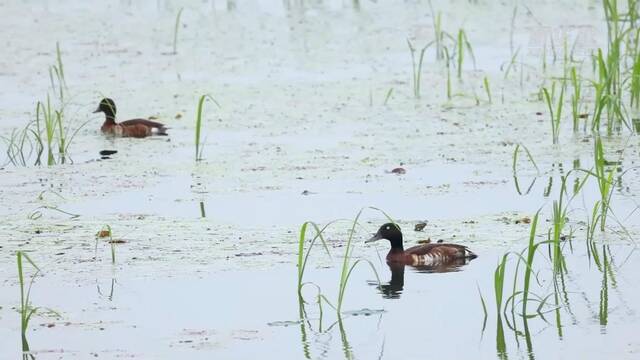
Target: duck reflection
394,287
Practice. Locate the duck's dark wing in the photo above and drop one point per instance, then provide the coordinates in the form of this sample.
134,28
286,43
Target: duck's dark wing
445,252
162,130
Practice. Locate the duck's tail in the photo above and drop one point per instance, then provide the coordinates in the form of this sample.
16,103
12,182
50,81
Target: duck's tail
468,254
162,131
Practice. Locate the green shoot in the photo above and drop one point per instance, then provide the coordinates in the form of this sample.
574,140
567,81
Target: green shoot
461,45
199,123
555,116
487,88
417,68
26,310
175,31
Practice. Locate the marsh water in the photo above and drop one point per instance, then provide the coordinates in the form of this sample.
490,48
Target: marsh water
317,107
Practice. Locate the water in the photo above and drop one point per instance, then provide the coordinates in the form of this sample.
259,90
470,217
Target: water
206,266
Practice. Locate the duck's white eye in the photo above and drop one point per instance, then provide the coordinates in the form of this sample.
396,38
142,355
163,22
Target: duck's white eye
387,227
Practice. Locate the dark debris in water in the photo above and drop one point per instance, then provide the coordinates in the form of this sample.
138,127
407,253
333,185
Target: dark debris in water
398,171
107,152
249,254
420,226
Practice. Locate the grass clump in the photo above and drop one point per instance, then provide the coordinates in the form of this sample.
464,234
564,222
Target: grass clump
49,134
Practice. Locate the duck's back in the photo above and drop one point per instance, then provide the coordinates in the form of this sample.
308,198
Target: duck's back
431,254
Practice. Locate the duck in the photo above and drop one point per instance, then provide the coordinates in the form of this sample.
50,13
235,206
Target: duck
137,128
429,255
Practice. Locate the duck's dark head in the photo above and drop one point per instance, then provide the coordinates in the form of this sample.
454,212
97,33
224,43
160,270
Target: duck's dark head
391,232
107,106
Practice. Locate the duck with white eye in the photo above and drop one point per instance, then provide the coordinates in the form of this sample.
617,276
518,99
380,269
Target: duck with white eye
430,255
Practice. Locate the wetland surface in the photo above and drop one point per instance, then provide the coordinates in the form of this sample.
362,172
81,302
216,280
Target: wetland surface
317,107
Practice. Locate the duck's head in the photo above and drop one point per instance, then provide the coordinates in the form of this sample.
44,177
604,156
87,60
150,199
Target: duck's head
391,232
106,106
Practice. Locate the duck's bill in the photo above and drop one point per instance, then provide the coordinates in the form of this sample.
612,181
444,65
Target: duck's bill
96,110
375,237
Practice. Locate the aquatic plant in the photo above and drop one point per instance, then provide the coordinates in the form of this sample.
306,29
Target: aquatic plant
516,151
437,31
462,44
555,116
26,309
103,233
605,181
201,101
416,68
348,262
175,31
531,251
448,68
511,63
575,100
487,88
303,255
498,282
49,131
388,96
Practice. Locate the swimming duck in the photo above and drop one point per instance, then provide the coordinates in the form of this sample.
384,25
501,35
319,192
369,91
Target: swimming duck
420,255
137,128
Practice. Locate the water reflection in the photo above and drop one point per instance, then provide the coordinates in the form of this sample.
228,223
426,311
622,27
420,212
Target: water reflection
394,287
321,335
110,295
203,214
